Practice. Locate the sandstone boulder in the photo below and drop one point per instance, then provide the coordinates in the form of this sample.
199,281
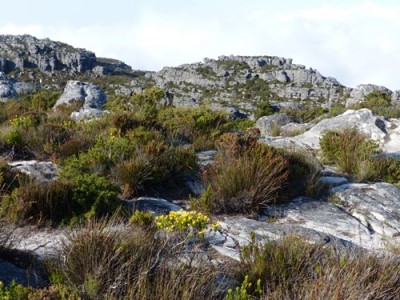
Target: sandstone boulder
268,124
374,127
91,95
41,171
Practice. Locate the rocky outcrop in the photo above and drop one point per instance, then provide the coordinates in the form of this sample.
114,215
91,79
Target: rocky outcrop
88,114
359,216
245,80
25,51
7,88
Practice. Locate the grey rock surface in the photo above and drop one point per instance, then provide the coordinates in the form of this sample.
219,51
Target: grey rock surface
154,205
91,95
238,233
376,206
293,129
41,171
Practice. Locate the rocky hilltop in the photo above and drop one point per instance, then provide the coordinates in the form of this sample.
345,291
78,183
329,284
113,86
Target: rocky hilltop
242,81
233,83
26,55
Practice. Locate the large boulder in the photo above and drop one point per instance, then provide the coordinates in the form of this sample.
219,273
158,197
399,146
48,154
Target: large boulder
238,232
91,95
153,205
267,124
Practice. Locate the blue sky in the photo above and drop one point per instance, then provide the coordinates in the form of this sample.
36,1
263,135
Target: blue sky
354,41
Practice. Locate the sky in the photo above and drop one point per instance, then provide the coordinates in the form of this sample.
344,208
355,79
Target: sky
352,40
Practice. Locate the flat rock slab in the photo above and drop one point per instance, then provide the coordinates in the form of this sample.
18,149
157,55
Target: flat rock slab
326,217
376,206
238,233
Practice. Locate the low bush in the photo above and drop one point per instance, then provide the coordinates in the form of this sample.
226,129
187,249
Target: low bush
351,151
198,126
304,175
306,113
379,103
41,203
93,195
102,260
15,291
246,175
293,269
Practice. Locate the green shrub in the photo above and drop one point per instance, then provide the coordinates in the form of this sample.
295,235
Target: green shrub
93,195
304,175
246,175
351,152
305,114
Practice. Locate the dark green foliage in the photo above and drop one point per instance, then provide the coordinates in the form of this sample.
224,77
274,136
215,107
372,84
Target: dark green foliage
206,71
379,103
93,195
306,113
144,107
264,108
254,89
